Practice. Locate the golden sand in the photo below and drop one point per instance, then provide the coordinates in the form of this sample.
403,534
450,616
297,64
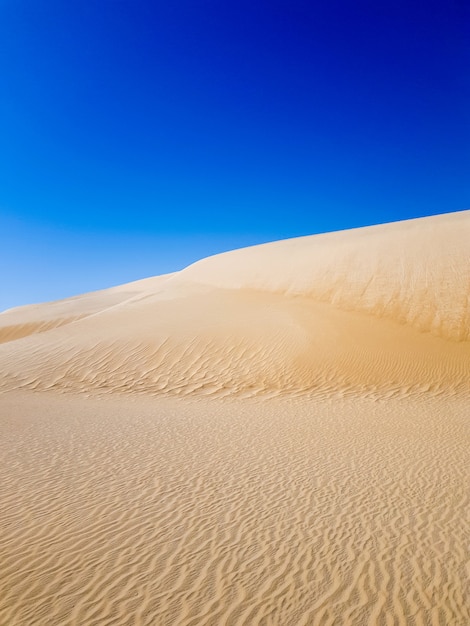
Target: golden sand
276,435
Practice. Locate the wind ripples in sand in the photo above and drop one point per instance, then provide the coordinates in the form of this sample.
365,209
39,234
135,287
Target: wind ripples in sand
267,513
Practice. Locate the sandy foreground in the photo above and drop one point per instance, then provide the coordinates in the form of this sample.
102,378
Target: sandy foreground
276,435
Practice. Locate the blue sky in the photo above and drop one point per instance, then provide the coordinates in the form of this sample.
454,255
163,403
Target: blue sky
137,137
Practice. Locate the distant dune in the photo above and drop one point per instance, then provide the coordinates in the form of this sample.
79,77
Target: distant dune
371,309
273,436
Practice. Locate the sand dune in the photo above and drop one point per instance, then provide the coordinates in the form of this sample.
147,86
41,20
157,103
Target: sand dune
275,435
385,307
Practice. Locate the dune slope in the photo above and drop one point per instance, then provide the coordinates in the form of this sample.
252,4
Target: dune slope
378,309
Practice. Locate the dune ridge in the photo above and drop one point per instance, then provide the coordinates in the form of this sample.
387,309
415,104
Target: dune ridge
415,272
378,309
22,321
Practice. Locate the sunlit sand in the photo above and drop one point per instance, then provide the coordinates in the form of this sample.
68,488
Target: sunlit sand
274,435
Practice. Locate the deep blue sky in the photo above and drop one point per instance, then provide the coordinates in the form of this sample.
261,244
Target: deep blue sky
139,136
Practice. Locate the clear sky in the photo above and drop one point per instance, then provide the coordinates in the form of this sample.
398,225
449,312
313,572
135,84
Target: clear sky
138,136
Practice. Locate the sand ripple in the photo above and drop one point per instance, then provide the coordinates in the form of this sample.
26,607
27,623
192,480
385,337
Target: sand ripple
123,511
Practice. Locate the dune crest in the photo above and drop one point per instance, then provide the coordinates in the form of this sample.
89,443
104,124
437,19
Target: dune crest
379,309
415,272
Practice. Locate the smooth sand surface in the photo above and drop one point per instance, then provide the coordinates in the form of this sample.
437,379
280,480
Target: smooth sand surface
275,435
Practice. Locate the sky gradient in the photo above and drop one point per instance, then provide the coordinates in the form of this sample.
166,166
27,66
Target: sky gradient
137,137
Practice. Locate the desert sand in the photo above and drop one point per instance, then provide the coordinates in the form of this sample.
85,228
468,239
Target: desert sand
274,435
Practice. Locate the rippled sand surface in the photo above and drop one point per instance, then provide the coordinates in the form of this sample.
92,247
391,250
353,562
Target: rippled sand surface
116,511
276,435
